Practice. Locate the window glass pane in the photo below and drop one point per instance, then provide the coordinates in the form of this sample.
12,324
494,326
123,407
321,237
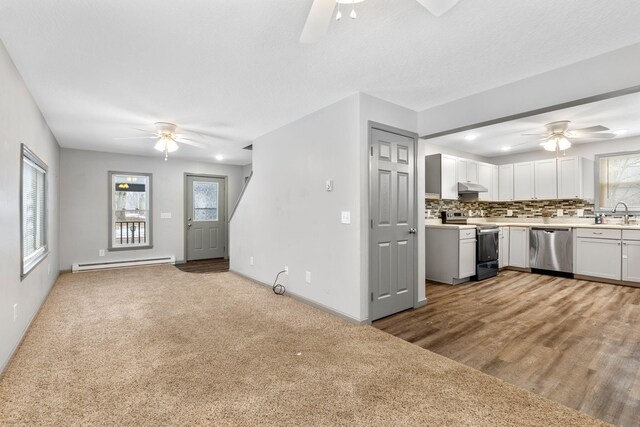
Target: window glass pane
619,181
205,201
130,213
34,209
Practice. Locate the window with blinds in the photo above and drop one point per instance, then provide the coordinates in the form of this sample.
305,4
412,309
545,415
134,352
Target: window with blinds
33,204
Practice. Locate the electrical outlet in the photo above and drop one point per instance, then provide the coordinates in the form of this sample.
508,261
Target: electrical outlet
509,212
48,268
250,260
307,277
286,270
101,252
560,212
15,312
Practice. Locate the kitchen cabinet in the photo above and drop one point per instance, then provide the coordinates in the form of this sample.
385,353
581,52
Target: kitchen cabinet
450,254
598,257
545,180
485,178
523,181
441,180
519,247
503,247
467,170
575,178
631,255
505,183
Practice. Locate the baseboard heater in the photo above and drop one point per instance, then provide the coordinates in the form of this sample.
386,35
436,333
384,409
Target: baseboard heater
120,264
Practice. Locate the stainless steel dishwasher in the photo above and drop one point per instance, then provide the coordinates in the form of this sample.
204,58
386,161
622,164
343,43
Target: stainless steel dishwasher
551,249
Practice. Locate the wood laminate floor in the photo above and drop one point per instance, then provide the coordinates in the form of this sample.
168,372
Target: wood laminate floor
213,265
572,341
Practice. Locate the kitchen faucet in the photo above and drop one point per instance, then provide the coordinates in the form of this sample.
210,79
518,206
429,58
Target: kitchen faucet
626,212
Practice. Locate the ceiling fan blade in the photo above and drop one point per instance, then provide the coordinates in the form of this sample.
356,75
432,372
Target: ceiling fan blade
598,128
138,137
188,142
438,7
533,134
317,21
601,135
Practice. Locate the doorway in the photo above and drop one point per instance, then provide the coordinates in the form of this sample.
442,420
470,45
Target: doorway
205,217
393,233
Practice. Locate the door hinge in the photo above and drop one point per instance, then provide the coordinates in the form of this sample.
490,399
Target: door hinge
372,224
371,296
371,151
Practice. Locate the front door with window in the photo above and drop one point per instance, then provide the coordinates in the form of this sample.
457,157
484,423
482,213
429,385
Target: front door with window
206,217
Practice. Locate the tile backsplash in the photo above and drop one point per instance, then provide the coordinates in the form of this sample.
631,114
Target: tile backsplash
523,209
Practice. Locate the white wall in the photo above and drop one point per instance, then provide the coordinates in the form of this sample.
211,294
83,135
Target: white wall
85,200
287,218
22,122
582,150
615,70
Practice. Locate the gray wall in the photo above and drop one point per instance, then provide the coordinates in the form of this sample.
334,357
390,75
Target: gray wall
85,200
604,73
22,122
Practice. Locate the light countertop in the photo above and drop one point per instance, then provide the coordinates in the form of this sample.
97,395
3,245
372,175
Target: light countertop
435,223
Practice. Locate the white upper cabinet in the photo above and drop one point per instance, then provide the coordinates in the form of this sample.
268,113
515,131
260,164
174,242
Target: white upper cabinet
441,179
485,178
545,187
467,170
575,178
505,183
523,181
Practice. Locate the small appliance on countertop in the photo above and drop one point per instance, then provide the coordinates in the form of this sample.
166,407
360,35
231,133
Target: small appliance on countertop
454,217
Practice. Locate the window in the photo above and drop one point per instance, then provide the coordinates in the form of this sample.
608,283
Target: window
33,206
205,201
618,180
130,215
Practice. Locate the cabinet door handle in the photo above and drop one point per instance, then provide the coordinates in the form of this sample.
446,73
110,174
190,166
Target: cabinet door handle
597,232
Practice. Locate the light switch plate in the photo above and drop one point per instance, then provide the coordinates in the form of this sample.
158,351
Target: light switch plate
580,212
345,217
560,212
509,212
165,215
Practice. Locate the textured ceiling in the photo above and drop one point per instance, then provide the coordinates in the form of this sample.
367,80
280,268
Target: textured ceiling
621,114
236,69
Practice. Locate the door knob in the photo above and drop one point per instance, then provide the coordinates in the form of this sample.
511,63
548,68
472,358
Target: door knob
412,230
189,225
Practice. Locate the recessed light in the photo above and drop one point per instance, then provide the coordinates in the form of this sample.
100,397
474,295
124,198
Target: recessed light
471,137
620,131
506,148
219,157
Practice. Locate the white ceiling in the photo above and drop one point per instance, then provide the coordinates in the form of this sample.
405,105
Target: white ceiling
236,68
621,114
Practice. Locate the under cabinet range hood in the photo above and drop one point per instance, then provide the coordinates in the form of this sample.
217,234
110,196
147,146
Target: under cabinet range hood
470,187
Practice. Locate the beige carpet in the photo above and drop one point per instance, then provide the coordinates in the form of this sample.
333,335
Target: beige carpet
156,346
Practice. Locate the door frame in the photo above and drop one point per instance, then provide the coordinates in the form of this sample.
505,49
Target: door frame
371,125
186,214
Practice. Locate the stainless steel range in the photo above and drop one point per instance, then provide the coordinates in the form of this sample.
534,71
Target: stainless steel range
486,244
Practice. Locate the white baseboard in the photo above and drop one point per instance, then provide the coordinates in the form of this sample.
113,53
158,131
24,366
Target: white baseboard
119,264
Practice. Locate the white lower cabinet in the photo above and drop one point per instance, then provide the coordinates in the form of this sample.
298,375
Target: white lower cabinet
519,247
450,254
631,261
598,258
503,247
467,258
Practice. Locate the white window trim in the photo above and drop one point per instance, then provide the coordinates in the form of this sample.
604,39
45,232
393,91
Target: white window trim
598,208
28,264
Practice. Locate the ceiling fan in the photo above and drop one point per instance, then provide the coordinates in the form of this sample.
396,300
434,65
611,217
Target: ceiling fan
559,135
167,138
322,10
